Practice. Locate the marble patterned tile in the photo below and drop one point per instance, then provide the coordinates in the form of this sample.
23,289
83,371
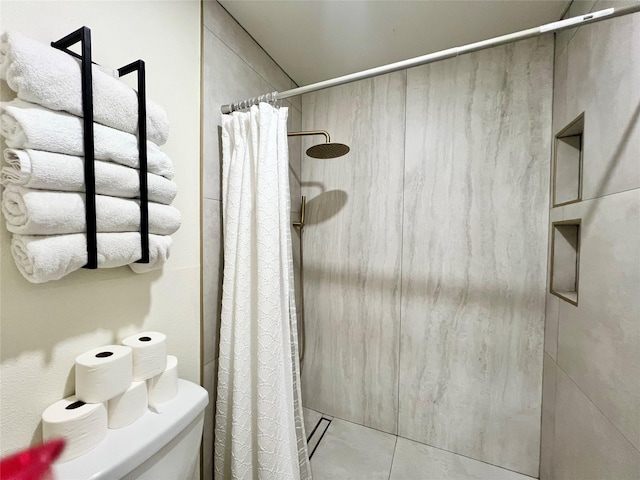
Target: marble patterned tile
352,244
297,270
413,460
209,383
211,277
603,72
350,451
587,445
598,340
226,78
224,26
551,325
294,124
474,253
547,434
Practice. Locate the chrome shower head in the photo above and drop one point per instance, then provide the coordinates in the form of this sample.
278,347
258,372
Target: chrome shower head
323,150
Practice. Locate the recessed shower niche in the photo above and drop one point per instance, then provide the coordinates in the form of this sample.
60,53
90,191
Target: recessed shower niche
567,163
565,260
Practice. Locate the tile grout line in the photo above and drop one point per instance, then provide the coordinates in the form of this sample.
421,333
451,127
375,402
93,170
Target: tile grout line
402,234
466,456
393,457
548,242
360,425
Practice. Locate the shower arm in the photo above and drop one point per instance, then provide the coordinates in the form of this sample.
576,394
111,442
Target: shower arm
311,132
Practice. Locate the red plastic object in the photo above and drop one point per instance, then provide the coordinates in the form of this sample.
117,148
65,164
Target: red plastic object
32,464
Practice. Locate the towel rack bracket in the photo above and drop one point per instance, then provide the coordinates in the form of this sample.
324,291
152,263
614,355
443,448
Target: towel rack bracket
83,35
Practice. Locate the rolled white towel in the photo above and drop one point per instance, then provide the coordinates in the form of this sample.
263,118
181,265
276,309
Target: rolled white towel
26,125
56,171
41,212
43,258
44,75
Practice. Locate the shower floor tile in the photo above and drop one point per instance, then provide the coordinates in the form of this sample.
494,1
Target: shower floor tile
348,451
311,419
413,461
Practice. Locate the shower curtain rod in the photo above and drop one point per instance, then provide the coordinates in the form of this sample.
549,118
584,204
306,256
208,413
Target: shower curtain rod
441,55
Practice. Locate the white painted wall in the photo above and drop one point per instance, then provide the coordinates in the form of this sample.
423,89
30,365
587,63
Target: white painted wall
44,327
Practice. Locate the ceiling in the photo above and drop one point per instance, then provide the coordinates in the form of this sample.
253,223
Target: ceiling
314,40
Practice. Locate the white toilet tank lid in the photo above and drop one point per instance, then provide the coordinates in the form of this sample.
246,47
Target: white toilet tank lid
124,449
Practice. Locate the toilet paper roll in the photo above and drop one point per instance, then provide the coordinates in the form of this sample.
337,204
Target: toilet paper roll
82,425
103,373
149,354
164,387
129,406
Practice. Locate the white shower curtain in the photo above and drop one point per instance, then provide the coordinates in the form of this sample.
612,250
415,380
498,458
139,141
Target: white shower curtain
259,433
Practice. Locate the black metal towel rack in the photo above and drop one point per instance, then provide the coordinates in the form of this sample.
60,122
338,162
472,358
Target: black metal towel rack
83,35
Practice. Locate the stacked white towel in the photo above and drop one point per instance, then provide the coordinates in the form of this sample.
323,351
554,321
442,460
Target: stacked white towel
41,258
25,125
46,76
55,171
43,201
42,212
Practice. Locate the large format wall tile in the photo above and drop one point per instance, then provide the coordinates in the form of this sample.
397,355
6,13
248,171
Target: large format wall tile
599,74
211,278
236,38
547,433
294,124
474,253
228,78
551,326
222,72
587,445
598,341
352,245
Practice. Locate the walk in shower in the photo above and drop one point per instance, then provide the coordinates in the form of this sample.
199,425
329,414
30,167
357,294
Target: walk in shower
426,262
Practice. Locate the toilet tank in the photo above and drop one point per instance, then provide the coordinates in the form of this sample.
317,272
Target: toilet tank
161,445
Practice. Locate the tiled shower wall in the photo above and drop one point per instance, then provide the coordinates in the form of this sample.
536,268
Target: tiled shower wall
425,252
234,67
591,386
